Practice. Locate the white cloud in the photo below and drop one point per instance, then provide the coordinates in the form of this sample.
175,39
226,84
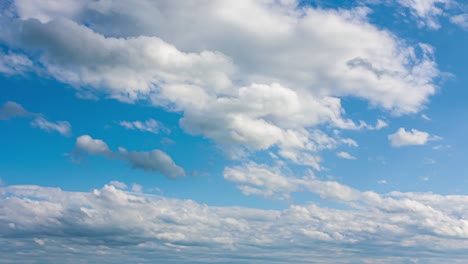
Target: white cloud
270,182
93,146
425,117
412,137
460,20
382,182
140,228
14,63
62,127
345,155
149,125
152,161
245,103
427,12
118,185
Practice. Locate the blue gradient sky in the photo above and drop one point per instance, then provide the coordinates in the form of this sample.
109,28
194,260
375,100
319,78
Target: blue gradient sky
231,88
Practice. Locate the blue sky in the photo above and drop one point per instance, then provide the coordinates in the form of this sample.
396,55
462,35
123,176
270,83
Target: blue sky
233,131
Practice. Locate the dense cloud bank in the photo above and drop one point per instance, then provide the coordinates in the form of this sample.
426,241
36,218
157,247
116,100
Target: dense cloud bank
107,224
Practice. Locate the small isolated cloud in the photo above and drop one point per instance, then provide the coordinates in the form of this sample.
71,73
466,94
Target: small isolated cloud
153,161
412,137
425,117
40,242
345,155
350,142
382,182
93,146
11,110
460,20
149,125
62,127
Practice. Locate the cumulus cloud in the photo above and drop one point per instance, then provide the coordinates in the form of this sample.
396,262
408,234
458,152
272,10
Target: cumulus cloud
62,127
271,182
142,228
412,137
153,161
149,125
245,103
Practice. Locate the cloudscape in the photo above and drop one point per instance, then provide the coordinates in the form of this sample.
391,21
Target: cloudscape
233,131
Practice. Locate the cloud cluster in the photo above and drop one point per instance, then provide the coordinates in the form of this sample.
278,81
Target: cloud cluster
305,60
119,226
152,161
427,12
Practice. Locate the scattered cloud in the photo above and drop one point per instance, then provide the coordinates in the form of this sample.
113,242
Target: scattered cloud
382,182
427,12
425,117
118,185
460,20
152,161
149,125
345,155
412,137
11,110
245,103
62,127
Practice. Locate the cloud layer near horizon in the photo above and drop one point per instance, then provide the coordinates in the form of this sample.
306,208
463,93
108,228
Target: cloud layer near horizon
390,228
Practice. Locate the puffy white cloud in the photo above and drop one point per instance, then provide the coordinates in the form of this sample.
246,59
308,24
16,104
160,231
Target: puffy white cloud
271,182
11,110
62,127
93,146
412,137
345,155
153,161
121,226
149,125
149,51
